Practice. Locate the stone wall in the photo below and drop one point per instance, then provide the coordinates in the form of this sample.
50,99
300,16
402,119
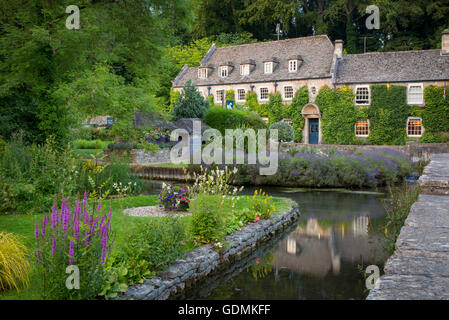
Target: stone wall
416,151
201,261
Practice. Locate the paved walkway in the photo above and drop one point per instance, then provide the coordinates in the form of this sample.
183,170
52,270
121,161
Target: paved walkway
419,268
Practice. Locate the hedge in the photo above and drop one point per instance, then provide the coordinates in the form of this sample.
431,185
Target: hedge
222,118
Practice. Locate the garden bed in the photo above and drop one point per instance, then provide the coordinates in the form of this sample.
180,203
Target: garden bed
201,261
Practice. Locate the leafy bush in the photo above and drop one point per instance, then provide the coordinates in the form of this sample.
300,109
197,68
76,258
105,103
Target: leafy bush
158,242
81,237
285,131
222,119
262,204
274,108
212,181
207,218
14,265
90,144
190,103
436,113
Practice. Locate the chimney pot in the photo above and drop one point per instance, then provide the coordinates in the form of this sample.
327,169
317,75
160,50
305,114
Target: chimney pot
338,51
445,42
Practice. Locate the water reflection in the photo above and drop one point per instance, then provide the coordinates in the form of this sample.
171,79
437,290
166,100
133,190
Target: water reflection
318,259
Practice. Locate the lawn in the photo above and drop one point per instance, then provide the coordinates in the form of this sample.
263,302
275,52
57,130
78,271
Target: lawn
23,225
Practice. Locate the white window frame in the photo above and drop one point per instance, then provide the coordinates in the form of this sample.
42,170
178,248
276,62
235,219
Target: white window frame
260,94
312,88
244,69
414,135
361,135
293,93
265,119
223,71
268,67
238,95
288,121
369,95
222,96
202,73
421,101
292,65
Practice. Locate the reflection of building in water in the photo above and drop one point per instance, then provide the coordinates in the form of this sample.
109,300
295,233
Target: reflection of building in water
317,250
360,226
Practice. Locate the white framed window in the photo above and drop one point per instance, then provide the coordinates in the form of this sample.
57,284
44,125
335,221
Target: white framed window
244,69
264,119
202,73
293,66
268,67
414,127
288,92
289,121
263,94
415,94
362,128
219,95
223,72
313,90
241,95
362,95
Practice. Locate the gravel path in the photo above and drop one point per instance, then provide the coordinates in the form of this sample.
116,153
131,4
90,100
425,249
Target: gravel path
153,211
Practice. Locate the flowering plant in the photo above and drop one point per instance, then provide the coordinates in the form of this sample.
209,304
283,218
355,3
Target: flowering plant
174,198
79,237
159,136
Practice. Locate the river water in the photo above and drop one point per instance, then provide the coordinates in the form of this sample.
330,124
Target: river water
321,256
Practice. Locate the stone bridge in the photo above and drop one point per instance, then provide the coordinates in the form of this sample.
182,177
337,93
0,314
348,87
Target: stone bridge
419,267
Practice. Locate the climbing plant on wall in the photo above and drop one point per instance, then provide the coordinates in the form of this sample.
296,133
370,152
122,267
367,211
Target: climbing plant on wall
339,115
274,108
435,115
388,114
293,111
252,104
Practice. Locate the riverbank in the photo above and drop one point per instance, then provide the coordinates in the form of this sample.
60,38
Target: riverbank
419,268
203,260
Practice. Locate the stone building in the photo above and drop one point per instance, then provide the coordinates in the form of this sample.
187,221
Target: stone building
284,66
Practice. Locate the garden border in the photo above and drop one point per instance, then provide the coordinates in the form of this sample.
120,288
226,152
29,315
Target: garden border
201,261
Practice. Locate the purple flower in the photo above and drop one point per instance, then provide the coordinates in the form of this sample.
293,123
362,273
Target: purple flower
53,246
71,252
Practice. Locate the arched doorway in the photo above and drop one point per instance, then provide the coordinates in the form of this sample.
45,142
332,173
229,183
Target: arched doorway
312,124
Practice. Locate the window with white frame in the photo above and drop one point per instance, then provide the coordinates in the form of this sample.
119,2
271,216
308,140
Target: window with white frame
202,73
313,90
264,119
415,94
244,69
219,95
414,127
362,95
288,92
241,95
362,128
268,67
223,71
263,94
292,65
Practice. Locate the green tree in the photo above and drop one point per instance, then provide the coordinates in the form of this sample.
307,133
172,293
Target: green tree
190,104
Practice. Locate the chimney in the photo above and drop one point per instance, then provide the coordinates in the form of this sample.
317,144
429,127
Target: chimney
338,51
445,42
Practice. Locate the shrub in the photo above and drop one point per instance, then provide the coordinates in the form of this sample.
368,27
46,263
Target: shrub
274,108
14,266
222,119
190,104
285,131
212,181
174,198
79,237
436,112
207,218
158,242
90,144
262,204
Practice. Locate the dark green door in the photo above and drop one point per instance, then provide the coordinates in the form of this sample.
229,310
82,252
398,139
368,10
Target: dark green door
313,131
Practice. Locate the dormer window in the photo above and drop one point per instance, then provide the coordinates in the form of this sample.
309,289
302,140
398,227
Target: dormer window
244,69
224,71
293,66
202,73
268,67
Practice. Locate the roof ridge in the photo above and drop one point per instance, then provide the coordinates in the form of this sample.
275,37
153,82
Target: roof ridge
290,39
381,52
